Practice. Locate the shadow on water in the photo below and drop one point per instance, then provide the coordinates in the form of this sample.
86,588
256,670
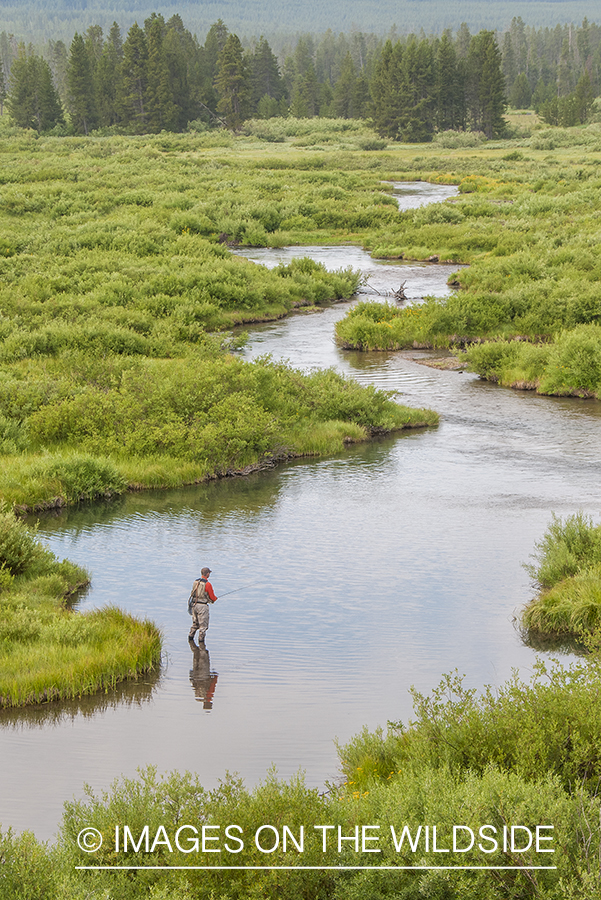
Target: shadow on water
134,693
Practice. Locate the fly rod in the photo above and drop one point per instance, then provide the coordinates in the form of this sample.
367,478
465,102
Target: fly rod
235,591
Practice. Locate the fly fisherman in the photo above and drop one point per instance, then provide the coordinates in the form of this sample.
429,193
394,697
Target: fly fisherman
202,594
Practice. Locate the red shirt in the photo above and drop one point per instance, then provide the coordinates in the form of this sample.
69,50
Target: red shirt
209,590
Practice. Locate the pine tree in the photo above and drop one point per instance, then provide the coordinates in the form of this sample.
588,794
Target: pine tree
33,101
183,57
486,88
345,96
3,90
416,120
385,88
583,96
449,93
209,64
81,101
134,82
58,60
108,78
161,110
232,83
510,67
265,77
520,95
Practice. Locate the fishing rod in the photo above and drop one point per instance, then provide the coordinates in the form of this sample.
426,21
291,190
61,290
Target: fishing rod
235,591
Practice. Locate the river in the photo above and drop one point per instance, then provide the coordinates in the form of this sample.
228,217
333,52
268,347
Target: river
362,574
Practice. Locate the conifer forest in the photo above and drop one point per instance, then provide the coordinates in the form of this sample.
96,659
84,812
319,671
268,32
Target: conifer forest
159,77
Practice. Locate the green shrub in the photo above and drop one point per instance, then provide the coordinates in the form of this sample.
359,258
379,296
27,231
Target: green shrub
452,140
568,547
575,362
547,727
19,549
28,868
82,477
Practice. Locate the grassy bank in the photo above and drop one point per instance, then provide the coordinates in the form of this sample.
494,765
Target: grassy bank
112,371
112,300
48,651
525,222
83,428
567,571
569,364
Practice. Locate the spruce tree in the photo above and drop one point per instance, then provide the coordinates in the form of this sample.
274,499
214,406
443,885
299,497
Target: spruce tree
417,110
520,94
108,78
344,103
33,101
161,110
134,80
449,93
215,40
232,83
265,77
386,90
81,101
486,86
3,90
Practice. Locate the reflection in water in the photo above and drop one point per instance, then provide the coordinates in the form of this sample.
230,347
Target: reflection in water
130,694
210,505
203,680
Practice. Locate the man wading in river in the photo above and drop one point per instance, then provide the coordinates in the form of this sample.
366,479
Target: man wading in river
202,594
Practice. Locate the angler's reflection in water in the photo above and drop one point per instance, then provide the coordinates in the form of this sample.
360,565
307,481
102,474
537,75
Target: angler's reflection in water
203,680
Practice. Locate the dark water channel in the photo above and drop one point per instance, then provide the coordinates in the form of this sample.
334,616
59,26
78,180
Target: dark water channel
363,574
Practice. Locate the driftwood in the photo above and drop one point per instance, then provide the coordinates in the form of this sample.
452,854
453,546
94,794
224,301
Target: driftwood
399,295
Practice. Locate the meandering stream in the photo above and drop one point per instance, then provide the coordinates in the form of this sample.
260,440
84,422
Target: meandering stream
362,574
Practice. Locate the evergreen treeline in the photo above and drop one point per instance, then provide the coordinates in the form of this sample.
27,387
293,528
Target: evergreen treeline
159,77
555,71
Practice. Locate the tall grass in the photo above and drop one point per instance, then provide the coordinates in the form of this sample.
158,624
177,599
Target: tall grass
67,654
48,651
567,569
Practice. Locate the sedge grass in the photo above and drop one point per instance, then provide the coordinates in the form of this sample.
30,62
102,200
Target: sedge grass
70,654
571,608
567,569
47,650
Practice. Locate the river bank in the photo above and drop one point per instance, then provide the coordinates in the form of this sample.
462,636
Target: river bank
47,651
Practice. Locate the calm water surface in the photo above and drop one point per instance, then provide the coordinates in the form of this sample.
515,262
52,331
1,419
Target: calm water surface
362,574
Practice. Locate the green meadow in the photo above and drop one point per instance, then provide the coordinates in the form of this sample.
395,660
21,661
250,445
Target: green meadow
118,290
527,308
